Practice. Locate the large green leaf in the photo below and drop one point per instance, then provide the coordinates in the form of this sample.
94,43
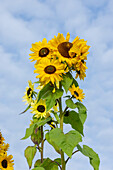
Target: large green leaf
93,156
29,153
51,142
67,81
74,120
82,111
29,130
47,164
38,168
66,142
46,89
70,104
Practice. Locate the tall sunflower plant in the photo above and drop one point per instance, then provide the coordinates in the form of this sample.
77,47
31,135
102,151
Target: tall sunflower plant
58,64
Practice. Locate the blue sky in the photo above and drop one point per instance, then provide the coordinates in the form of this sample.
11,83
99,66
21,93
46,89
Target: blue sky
24,22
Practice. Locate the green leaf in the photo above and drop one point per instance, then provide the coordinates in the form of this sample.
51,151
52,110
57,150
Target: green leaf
46,89
70,104
56,116
82,111
51,98
75,82
93,156
37,163
38,168
66,142
67,81
49,163
26,109
29,153
74,120
36,135
29,130
52,143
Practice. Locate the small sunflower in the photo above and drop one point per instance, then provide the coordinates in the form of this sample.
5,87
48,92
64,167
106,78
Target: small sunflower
6,162
81,66
1,139
77,92
4,148
49,70
39,109
61,49
80,74
40,50
29,93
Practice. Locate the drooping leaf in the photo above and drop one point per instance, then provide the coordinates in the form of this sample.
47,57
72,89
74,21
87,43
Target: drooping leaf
58,93
36,135
49,164
46,89
29,153
66,142
70,104
29,130
93,156
67,81
74,120
52,143
82,111
26,109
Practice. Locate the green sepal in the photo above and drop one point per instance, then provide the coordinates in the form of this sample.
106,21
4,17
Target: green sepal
73,119
70,104
67,81
29,130
29,153
93,156
26,109
66,142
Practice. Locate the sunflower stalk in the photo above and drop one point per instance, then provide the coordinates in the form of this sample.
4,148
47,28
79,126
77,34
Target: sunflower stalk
42,144
61,126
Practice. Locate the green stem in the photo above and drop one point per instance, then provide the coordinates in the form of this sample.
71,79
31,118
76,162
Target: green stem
42,144
61,126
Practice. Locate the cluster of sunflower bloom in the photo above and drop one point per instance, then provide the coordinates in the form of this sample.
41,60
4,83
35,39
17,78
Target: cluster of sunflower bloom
53,60
6,162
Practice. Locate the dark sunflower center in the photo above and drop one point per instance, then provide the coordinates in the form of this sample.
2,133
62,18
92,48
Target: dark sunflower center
78,72
82,61
28,91
4,163
43,52
63,49
41,108
76,93
50,69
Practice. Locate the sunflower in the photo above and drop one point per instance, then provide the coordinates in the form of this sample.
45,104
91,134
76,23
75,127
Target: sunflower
61,49
4,148
81,66
29,93
77,92
40,50
49,70
81,74
1,139
39,109
6,162
51,124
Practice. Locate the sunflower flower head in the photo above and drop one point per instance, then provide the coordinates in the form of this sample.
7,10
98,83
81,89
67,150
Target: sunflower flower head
49,71
41,50
28,97
6,162
77,92
39,109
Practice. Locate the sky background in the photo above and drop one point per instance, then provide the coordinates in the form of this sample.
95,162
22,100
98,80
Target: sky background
23,22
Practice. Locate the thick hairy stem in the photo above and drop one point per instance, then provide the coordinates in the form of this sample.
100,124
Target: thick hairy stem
61,126
42,144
